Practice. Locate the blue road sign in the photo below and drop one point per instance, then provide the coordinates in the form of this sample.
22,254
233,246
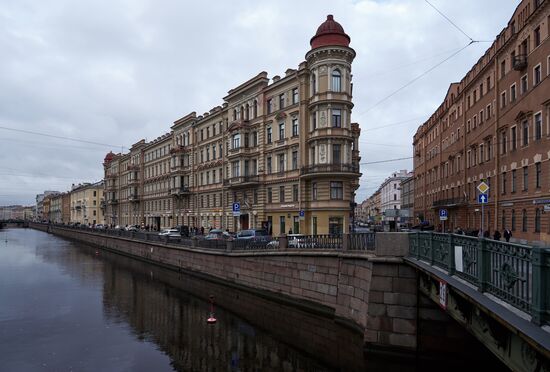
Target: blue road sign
443,213
236,209
482,199
302,213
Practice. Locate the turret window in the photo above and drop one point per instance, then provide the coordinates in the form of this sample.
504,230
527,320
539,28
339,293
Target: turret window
336,81
337,118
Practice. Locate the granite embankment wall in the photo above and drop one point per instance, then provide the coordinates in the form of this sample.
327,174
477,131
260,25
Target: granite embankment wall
374,292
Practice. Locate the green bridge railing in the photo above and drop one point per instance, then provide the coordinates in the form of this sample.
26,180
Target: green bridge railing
515,273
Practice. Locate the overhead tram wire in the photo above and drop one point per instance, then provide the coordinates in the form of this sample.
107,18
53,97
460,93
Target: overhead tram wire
451,22
385,161
62,137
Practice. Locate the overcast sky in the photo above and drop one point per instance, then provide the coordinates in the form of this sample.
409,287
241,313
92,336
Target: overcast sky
114,72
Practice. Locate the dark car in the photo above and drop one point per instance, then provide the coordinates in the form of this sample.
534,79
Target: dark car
183,230
253,234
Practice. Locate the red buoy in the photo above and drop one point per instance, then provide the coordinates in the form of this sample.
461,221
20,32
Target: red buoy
212,319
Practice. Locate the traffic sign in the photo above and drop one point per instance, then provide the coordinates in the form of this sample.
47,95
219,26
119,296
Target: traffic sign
443,215
236,209
483,187
302,214
482,199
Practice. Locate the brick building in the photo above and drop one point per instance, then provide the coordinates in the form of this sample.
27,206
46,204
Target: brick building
276,146
493,125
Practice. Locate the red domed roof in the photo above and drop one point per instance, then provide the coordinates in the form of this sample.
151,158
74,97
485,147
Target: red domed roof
110,156
330,33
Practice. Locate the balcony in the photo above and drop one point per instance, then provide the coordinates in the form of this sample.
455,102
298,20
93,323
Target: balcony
180,191
180,149
133,197
102,204
329,170
243,181
133,181
239,151
133,167
110,176
113,201
452,202
519,62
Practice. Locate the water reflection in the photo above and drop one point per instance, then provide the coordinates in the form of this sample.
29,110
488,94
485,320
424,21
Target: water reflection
109,312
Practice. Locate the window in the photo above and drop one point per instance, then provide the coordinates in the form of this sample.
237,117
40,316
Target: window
313,83
336,190
524,84
281,162
503,142
269,106
281,194
254,139
488,111
537,220
336,118
538,174
295,193
513,93
504,182
503,99
525,133
538,126
294,160
314,120
282,225
269,195
254,110
236,168
502,68
514,139
537,36
281,101
269,135
336,80
294,127
314,191
503,219
525,178
268,165
236,141
513,187
536,75
281,131
335,225
513,223
524,220
295,95
336,154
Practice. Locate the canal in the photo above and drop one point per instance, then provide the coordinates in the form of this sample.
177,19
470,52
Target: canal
65,306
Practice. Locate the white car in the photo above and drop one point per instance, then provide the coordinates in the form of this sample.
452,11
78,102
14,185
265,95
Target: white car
170,232
294,241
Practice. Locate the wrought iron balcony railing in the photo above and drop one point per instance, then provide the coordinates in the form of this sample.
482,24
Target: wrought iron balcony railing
519,62
330,168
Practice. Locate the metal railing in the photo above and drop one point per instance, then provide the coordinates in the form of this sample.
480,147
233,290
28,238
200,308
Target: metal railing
516,274
329,168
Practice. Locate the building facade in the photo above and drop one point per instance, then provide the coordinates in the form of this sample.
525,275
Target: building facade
407,202
275,147
56,207
493,126
85,203
390,196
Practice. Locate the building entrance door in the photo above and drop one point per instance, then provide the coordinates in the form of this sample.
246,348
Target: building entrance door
244,222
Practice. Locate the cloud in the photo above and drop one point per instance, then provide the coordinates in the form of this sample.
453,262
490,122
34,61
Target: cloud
120,71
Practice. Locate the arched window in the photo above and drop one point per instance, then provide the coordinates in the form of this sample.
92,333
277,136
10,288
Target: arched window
524,220
235,114
537,220
313,83
255,110
247,112
336,80
242,113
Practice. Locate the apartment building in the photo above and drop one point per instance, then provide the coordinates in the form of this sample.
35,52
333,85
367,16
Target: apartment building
493,126
407,202
85,203
275,146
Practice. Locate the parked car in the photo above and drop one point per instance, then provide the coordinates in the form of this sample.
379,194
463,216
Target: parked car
215,234
170,233
100,226
132,228
253,234
118,227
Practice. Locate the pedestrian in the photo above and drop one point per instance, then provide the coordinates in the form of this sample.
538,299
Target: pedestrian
202,230
507,235
496,235
290,232
486,234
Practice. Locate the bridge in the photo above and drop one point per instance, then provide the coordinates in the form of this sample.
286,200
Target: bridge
13,223
402,291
